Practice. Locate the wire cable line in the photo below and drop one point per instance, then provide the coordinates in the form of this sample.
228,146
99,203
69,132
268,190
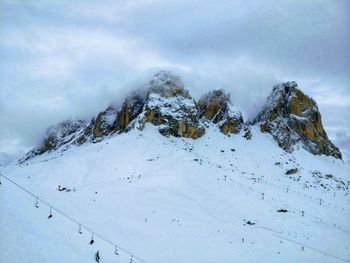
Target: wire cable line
80,225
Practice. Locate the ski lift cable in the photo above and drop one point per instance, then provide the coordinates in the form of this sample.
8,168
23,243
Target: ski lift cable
59,211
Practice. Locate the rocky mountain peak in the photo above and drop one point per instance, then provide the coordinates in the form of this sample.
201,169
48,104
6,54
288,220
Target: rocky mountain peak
290,116
217,107
294,120
167,84
170,106
214,105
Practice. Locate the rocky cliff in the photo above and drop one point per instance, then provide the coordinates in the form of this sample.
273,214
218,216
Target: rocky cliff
170,106
293,119
59,135
216,107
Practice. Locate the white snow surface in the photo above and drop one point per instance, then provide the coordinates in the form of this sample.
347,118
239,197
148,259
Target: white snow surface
169,199
233,111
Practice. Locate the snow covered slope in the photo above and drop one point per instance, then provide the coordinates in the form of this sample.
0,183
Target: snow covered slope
218,198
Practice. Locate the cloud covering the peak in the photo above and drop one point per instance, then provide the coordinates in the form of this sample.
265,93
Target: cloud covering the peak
67,59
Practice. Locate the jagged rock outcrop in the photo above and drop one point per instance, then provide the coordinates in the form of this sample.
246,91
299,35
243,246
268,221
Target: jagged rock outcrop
78,132
130,110
293,119
58,135
105,123
289,115
247,132
118,120
164,103
170,106
61,134
86,135
216,107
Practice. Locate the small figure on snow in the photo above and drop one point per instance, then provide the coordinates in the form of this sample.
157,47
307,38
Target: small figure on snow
97,256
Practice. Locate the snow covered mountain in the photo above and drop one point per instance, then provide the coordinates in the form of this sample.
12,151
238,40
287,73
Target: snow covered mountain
172,179
289,115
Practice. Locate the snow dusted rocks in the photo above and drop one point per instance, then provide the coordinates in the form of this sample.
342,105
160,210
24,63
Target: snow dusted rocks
130,110
293,119
170,107
119,120
58,135
215,106
105,123
62,133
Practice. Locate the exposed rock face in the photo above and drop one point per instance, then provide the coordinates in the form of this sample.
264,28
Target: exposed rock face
112,120
104,123
176,116
247,132
215,106
86,135
289,115
170,106
294,119
58,135
61,133
131,109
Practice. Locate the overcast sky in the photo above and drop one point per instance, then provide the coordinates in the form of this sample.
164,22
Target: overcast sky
62,59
